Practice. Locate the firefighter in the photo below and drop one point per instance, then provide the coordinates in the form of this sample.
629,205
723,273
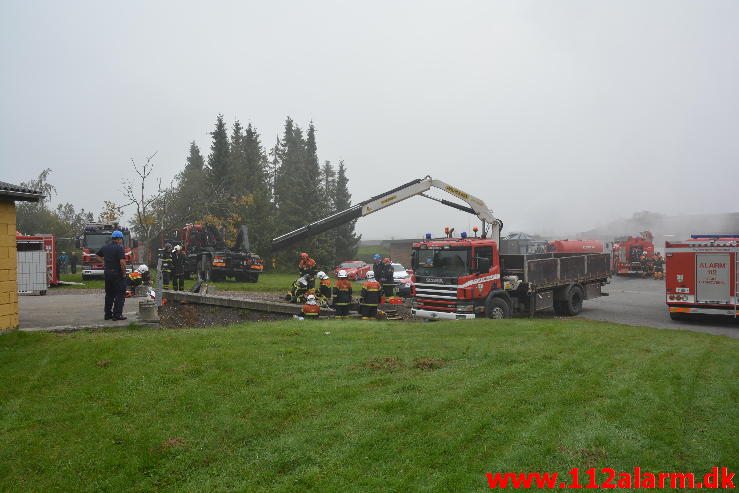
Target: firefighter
138,277
370,297
387,280
307,267
647,265
324,288
178,268
342,295
377,266
166,265
659,269
310,310
298,291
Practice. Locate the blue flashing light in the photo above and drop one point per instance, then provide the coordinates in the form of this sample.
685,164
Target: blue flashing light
464,235
428,236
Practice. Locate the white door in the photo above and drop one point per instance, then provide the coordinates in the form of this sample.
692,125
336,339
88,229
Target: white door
712,271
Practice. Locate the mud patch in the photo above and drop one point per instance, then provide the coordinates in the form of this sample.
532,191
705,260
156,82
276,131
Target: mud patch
382,364
429,363
103,364
171,443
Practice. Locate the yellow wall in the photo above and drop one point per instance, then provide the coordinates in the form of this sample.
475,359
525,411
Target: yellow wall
8,285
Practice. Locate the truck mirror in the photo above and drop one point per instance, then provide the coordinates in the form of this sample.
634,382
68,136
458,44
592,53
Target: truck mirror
483,264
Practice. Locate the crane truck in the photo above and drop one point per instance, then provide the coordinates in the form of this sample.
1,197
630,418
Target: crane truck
468,277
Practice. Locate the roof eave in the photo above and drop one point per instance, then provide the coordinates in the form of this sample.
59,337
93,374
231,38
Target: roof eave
20,196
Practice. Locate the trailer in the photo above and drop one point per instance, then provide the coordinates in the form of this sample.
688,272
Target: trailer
701,277
48,245
575,246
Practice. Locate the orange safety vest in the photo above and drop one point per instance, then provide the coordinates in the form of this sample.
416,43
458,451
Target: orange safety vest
311,311
371,293
342,292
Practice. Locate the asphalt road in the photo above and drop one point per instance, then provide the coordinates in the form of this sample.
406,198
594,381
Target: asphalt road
59,312
634,301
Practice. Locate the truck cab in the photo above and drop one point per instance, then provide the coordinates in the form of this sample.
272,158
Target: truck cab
92,239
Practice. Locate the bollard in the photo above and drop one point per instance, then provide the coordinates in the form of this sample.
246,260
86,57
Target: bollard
148,312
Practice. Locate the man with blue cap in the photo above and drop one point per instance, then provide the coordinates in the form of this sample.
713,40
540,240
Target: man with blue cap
115,276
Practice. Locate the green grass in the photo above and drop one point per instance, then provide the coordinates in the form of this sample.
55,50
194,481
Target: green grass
287,407
269,282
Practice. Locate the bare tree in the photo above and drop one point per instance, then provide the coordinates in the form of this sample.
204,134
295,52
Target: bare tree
135,192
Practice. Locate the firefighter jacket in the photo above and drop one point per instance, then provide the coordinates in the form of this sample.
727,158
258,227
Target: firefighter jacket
166,261
342,292
387,274
371,293
310,311
308,267
324,289
298,292
178,262
135,278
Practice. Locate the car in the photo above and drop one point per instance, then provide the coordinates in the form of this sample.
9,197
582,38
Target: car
355,269
403,278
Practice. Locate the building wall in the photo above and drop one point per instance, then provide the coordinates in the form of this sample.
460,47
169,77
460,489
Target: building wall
400,251
8,287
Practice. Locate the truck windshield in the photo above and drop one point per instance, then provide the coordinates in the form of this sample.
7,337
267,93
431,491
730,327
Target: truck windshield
441,262
95,242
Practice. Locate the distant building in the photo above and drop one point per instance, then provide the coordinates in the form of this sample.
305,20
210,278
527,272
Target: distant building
9,195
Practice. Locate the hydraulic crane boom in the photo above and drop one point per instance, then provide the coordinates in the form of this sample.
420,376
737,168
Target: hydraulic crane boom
392,197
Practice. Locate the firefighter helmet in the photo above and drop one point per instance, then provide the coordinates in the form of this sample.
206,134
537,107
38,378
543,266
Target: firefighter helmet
177,248
303,281
376,256
311,299
142,269
322,276
370,275
386,260
304,255
342,274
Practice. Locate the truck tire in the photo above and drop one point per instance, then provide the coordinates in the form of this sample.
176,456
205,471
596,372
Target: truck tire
253,277
572,304
679,316
497,308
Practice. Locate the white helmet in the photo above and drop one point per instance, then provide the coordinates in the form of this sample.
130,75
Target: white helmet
322,275
303,281
370,275
342,274
142,269
311,300
177,248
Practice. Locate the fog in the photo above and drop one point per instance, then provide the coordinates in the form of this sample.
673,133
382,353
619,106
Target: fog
562,116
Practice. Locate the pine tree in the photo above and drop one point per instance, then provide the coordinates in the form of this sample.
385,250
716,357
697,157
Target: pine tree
189,194
218,169
347,242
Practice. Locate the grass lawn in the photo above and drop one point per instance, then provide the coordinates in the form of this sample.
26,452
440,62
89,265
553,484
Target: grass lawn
370,406
269,282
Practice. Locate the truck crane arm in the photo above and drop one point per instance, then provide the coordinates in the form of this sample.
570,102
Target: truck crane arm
392,197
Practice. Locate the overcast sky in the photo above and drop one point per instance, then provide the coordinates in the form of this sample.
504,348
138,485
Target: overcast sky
560,115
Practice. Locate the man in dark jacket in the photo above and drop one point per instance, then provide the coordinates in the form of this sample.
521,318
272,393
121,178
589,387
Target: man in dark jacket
377,267
388,280
115,276
73,262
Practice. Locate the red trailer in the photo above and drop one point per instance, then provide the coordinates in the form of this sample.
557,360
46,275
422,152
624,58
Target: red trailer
627,254
701,276
575,246
49,248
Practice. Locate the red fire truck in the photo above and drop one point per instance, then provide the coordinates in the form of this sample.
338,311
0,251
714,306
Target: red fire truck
627,253
93,237
459,278
701,277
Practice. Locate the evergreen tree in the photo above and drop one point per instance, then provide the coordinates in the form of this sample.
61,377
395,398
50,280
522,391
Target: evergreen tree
187,201
218,169
347,242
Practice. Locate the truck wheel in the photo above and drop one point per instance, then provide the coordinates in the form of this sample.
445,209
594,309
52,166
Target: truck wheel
572,305
253,278
679,316
497,308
